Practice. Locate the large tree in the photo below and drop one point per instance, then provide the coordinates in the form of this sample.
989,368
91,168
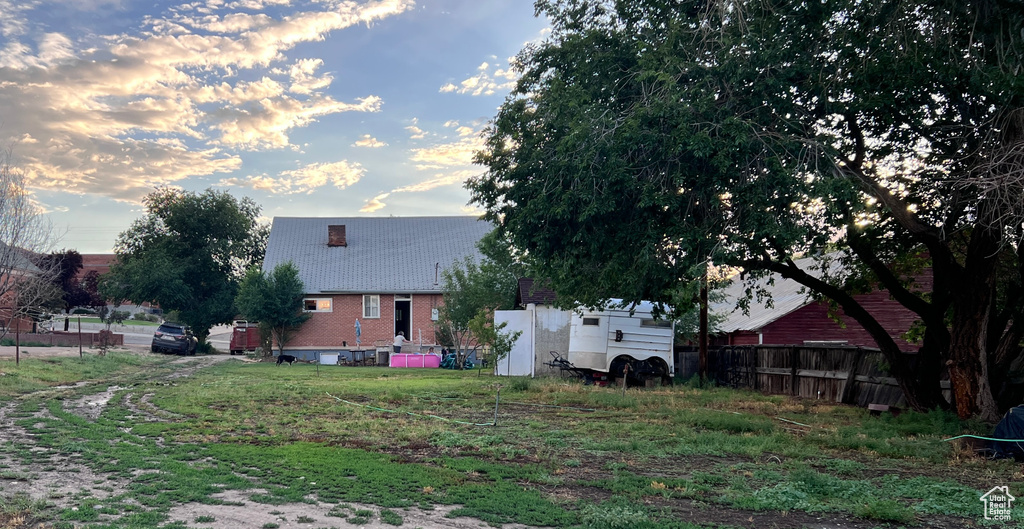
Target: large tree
65,265
188,254
274,299
647,139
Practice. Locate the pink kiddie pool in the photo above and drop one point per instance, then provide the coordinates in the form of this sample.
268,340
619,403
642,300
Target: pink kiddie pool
414,360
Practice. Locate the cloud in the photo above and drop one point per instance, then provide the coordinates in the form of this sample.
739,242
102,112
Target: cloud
459,153
415,132
487,81
452,163
303,180
13,22
116,115
368,141
265,124
439,180
303,79
374,203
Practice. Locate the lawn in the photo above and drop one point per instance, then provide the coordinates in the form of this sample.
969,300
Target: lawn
377,444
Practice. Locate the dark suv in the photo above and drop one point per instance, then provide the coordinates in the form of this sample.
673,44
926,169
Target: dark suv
174,338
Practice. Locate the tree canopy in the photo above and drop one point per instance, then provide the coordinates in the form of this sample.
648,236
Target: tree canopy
646,140
274,299
188,254
65,265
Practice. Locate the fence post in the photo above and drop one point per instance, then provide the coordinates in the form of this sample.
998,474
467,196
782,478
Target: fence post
851,378
753,368
794,363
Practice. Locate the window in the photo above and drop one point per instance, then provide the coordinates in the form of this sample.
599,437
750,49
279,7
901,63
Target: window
316,305
665,324
591,322
371,306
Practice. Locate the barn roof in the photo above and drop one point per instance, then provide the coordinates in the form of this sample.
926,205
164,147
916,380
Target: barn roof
373,254
786,296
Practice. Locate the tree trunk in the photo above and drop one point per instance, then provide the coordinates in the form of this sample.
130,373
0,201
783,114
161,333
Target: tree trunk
973,297
968,356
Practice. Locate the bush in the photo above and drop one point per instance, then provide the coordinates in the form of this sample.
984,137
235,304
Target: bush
83,310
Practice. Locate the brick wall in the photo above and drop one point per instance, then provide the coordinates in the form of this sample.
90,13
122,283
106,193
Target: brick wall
336,329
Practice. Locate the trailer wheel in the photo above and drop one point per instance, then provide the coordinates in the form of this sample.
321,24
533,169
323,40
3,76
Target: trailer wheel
640,371
655,369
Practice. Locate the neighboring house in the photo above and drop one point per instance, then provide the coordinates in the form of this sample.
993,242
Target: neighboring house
795,319
15,268
101,263
384,272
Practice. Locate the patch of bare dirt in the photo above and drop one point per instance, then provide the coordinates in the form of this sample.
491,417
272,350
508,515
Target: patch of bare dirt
243,514
50,477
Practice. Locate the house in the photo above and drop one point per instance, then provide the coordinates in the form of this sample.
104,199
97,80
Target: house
384,272
16,269
795,319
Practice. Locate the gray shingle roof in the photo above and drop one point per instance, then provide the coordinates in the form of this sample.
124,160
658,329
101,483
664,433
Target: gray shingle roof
786,296
384,254
16,259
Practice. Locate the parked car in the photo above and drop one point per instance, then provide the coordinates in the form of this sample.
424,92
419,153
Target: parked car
174,338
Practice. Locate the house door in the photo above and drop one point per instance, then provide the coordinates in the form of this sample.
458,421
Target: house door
403,315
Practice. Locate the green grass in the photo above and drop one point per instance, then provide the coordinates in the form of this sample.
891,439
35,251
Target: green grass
11,342
36,374
399,439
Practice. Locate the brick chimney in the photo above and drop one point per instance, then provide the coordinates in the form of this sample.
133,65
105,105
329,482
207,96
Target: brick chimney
336,235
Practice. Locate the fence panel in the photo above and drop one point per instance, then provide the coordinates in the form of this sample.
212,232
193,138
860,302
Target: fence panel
836,373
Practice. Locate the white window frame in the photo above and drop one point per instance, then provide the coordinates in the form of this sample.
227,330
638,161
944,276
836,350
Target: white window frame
322,304
374,300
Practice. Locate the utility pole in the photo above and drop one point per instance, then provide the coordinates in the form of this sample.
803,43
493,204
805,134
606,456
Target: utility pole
702,332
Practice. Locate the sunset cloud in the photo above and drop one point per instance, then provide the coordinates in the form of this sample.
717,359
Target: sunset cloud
375,203
488,80
368,141
171,103
459,153
303,180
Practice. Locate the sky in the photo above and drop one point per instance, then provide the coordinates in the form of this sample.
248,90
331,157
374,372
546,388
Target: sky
327,108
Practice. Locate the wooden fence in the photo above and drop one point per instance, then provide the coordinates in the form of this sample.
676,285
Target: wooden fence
846,374
67,339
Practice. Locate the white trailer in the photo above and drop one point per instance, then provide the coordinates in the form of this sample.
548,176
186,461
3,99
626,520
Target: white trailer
599,345
620,343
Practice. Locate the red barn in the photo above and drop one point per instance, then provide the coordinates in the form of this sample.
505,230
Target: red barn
795,319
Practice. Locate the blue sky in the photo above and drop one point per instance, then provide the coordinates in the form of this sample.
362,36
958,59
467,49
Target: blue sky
310,107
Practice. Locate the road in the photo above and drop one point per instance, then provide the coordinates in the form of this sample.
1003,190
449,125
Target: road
220,336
